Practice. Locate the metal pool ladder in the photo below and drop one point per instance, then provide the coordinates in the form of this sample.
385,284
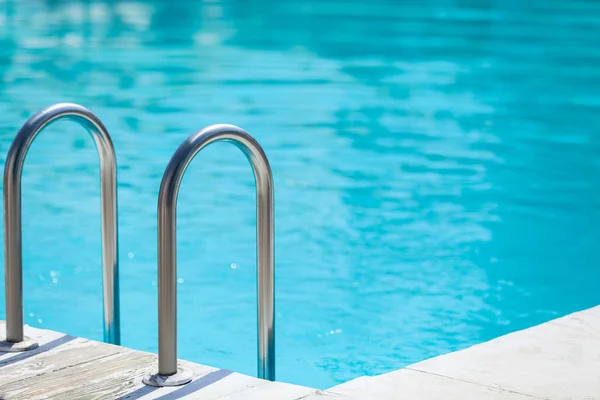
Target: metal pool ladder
168,374
13,252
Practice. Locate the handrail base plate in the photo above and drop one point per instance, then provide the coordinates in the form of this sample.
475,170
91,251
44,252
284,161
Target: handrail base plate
15,347
180,378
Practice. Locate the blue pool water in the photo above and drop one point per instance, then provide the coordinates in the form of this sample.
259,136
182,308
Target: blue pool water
437,170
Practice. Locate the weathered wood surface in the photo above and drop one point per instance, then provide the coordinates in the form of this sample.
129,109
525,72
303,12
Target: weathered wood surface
66,367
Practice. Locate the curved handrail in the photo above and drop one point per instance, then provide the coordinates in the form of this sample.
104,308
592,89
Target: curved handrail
168,374
12,220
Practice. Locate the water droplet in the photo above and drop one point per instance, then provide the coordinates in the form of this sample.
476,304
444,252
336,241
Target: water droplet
54,280
278,315
53,273
331,332
40,320
153,283
31,314
180,280
338,331
130,255
233,265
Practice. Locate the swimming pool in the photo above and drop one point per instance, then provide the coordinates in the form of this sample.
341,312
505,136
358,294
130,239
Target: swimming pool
436,171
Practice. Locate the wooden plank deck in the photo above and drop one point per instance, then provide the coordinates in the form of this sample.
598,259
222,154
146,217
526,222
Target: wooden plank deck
67,367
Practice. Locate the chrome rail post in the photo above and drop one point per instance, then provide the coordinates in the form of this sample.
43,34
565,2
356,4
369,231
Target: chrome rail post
168,373
15,339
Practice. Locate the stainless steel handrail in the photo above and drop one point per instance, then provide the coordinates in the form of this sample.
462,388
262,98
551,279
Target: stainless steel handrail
15,340
168,373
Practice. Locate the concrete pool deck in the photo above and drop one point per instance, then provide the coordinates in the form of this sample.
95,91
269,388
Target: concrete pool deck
559,359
